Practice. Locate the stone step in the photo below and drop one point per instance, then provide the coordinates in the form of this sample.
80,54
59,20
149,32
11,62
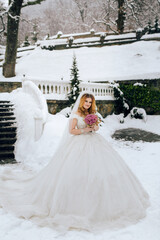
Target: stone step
7,132
6,155
7,135
7,123
8,129
9,140
6,105
4,101
3,113
4,109
2,118
8,160
6,147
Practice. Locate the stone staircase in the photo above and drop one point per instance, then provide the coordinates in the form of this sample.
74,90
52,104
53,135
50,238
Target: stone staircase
7,132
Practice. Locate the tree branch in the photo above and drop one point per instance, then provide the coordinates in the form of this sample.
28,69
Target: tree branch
105,23
3,25
33,2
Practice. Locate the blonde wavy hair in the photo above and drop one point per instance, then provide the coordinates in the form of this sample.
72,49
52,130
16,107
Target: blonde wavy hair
92,108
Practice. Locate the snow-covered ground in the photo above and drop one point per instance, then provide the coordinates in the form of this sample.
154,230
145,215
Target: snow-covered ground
142,158
132,61
138,60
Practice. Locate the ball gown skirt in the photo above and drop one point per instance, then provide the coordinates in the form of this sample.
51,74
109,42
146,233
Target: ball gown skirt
86,185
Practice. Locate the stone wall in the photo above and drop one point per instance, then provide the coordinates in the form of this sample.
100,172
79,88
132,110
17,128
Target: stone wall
9,86
105,107
55,106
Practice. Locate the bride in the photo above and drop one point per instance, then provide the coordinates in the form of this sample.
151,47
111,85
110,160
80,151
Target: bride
86,185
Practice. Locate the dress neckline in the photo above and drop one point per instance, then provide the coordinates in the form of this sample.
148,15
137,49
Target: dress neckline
79,115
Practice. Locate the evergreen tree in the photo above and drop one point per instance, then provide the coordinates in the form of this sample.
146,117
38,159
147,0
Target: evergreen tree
156,25
74,82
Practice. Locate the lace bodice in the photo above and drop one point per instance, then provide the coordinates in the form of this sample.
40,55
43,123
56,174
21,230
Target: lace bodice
80,122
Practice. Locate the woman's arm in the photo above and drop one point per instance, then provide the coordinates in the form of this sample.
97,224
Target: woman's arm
75,131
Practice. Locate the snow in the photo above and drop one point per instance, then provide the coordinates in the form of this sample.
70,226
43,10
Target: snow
121,36
5,2
52,42
139,84
139,60
151,36
72,34
140,112
132,61
142,158
82,40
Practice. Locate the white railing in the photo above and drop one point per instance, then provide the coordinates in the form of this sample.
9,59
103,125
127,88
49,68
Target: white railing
63,87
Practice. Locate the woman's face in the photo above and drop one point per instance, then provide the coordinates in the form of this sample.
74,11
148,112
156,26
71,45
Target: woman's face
87,104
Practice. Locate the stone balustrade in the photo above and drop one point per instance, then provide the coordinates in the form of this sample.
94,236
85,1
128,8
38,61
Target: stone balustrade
49,87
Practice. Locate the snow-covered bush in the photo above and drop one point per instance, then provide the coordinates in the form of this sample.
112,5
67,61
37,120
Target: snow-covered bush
139,84
139,33
138,95
59,34
70,40
121,118
138,113
92,31
102,37
121,103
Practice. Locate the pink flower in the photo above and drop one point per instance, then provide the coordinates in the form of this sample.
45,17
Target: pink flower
91,119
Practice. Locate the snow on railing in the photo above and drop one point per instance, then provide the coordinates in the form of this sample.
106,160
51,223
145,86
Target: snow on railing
49,87
42,112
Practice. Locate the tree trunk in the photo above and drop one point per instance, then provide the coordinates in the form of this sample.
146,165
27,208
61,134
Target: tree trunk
12,38
121,16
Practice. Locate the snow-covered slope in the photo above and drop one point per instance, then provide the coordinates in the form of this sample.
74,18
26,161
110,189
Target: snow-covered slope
133,61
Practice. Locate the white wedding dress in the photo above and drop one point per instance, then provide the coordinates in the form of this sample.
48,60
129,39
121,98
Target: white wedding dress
86,186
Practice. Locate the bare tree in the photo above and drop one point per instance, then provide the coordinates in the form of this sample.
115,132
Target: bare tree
106,16
14,11
83,12
118,15
82,7
2,12
103,15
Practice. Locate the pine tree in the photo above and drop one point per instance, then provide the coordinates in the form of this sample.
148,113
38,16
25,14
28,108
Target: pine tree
156,25
74,82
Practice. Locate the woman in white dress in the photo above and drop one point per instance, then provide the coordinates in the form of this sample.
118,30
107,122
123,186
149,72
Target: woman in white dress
86,185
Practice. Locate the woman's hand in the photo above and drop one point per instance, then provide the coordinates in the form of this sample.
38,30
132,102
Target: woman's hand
88,129
95,128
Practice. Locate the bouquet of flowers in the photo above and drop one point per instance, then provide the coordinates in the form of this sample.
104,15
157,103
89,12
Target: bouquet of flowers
91,120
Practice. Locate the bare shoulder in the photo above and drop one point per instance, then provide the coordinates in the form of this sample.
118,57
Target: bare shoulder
77,113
